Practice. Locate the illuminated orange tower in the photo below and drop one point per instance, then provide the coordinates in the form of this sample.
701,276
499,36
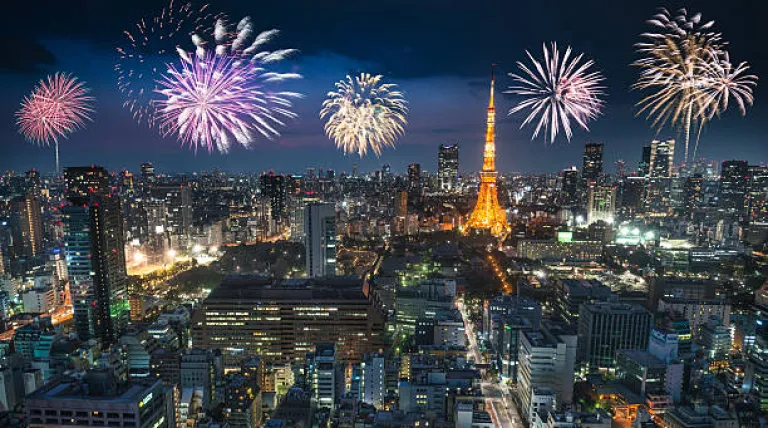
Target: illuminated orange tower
488,214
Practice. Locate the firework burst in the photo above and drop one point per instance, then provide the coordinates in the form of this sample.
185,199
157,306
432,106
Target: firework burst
141,56
364,114
210,101
241,41
57,106
557,91
687,69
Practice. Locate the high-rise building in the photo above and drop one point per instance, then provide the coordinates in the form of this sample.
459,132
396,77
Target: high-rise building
593,162
644,166
692,192
605,328
414,180
488,215
601,203
95,254
373,380
273,187
178,204
148,177
756,371
320,239
325,375
734,182
757,196
26,228
569,186
401,207
662,158
448,167
283,321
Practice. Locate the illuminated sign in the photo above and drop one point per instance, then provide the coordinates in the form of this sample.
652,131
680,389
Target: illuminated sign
145,400
564,236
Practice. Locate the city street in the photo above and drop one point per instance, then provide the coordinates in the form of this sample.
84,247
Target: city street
498,401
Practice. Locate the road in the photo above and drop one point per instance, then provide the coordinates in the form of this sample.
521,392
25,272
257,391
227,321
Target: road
503,411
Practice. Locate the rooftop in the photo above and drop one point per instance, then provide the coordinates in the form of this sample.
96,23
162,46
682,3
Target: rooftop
251,287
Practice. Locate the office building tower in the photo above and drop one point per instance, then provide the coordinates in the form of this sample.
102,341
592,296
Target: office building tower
200,369
601,204
148,177
569,186
401,207
547,359
100,400
282,321
641,372
757,195
734,182
715,338
273,188
95,254
448,167
571,293
593,162
606,327
26,228
662,158
84,181
692,192
644,166
414,180
320,239
177,198
325,375
632,195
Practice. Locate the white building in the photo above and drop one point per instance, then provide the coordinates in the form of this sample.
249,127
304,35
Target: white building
373,380
324,375
546,360
39,300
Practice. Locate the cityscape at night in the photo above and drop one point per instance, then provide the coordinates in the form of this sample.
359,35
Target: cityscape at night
383,214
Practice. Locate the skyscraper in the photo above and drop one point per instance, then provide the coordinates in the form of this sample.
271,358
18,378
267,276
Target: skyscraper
757,197
273,187
662,158
448,167
601,204
93,239
488,214
593,162
692,192
644,167
569,187
414,180
178,202
320,241
26,228
734,180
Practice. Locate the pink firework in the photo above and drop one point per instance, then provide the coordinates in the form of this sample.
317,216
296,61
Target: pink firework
56,107
212,102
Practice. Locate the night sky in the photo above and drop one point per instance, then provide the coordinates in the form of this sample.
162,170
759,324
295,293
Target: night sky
439,52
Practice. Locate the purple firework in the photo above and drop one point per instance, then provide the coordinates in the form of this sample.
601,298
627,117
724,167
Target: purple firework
210,101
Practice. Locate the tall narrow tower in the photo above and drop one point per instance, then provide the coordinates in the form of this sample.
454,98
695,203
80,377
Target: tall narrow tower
488,214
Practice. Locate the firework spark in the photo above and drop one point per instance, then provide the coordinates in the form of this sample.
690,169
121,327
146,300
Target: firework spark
558,90
241,41
57,106
364,114
688,70
209,101
141,57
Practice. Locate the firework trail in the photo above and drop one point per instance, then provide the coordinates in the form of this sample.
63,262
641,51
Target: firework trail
364,114
210,101
556,91
140,57
56,107
687,69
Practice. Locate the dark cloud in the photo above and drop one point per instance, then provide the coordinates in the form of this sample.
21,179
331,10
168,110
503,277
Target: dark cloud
24,55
